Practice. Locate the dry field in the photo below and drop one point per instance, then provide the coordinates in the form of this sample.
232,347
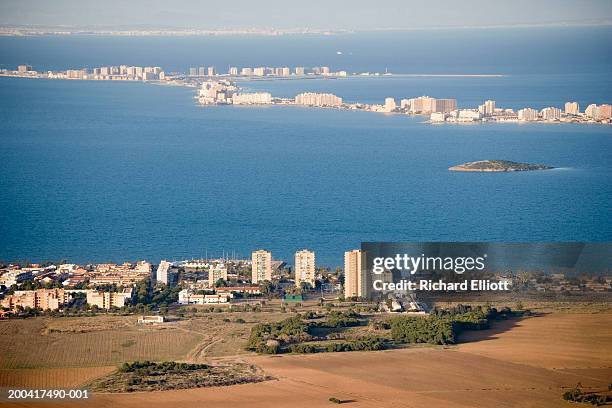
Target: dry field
517,363
45,352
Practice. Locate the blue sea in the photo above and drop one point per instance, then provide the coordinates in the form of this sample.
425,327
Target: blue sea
101,171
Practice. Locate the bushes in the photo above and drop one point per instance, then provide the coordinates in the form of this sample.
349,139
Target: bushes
152,368
577,395
303,348
416,329
364,344
337,319
286,331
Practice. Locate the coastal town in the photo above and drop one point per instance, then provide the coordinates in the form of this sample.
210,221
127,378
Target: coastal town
222,282
216,88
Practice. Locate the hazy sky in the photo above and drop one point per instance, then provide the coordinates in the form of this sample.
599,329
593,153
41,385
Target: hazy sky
347,14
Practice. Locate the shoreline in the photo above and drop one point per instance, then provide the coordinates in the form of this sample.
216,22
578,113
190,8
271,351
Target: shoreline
179,82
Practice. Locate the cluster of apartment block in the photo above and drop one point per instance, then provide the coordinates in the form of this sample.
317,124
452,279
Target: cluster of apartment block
488,111
318,99
224,92
222,295
57,298
304,267
112,73
264,71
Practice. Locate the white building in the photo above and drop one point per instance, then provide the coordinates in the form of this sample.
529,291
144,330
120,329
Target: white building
527,115
150,319
390,105
572,108
487,108
437,117
551,113
466,115
161,275
305,267
261,266
255,98
354,274
318,99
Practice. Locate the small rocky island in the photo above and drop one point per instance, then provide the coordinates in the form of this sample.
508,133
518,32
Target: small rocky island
498,166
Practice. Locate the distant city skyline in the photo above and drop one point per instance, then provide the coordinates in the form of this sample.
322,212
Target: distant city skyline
315,14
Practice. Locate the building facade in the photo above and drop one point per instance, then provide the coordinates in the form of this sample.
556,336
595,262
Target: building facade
45,299
354,274
216,272
305,267
261,266
161,275
107,300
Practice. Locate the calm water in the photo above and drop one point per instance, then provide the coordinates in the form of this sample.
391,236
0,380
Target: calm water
94,171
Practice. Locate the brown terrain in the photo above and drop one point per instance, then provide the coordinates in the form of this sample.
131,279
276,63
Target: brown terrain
516,363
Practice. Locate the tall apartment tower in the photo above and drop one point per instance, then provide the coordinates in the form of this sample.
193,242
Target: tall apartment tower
445,105
572,108
261,267
161,274
304,267
487,108
354,274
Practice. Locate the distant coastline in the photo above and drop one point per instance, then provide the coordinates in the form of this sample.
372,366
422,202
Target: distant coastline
222,89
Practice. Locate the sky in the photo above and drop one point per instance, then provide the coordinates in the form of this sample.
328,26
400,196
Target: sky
314,14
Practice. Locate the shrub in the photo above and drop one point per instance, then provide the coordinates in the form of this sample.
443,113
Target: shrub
416,329
290,330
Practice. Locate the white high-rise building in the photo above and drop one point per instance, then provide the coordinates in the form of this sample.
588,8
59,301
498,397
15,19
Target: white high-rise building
390,105
299,71
572,108
261,266
161,275
354,274
305,267
422,104
551,113
318,99
591,110
527,115
487,108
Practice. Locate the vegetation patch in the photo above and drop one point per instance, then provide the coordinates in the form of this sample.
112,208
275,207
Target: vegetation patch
170,375
313,333
443,325
577,394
